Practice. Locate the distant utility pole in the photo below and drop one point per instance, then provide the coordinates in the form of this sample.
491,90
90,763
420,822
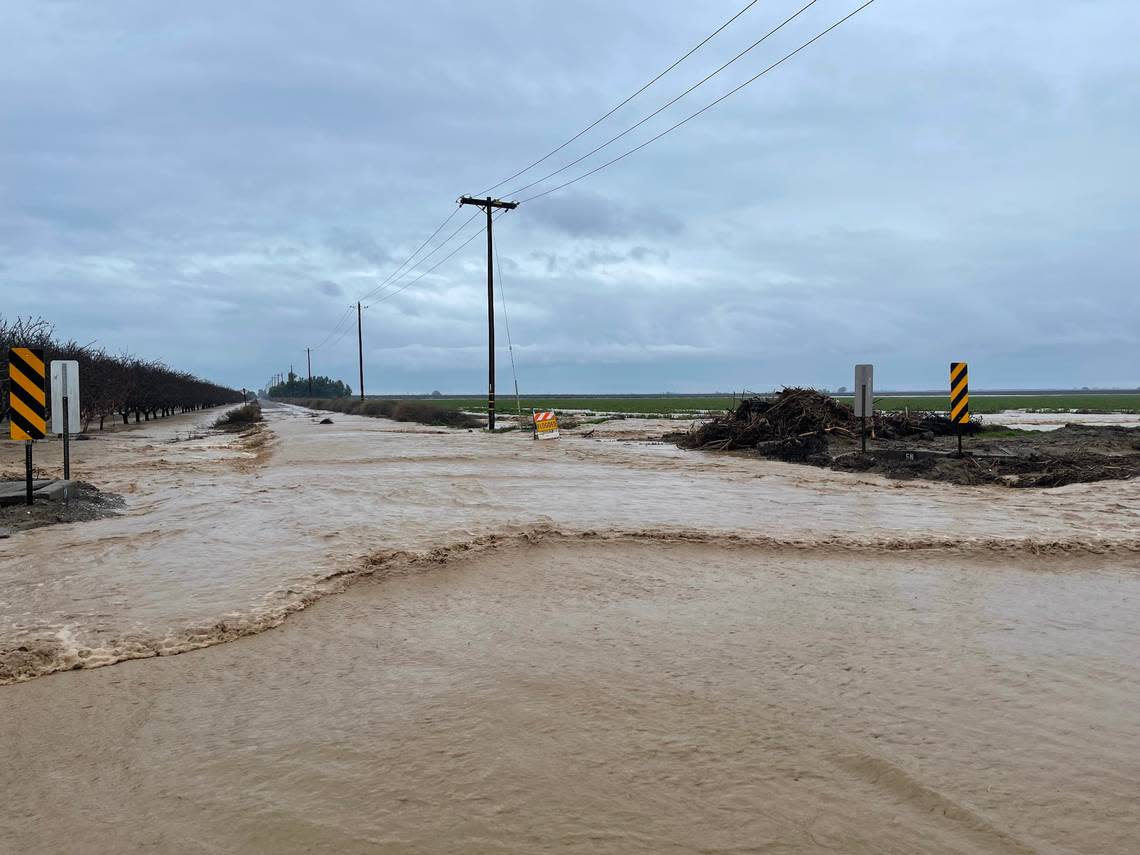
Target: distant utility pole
488,205
360,347
309,362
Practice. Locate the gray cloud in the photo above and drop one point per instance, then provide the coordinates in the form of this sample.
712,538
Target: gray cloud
930,181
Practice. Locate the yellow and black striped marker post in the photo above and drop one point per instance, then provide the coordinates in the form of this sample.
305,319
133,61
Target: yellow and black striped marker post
959,398
27,402
27,393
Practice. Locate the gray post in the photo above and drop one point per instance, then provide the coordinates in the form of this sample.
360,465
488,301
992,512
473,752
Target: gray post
863,418
28,469
66,435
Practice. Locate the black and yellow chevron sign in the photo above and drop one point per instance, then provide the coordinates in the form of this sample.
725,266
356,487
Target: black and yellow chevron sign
27,393
959,393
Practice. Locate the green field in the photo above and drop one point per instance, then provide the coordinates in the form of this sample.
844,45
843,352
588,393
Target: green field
668,405
662,405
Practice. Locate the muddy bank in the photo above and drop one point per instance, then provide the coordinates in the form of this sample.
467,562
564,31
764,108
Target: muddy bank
1070,455
86,502
803,426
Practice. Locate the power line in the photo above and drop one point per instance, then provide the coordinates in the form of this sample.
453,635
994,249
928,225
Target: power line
598,121
333,339
507,324
441,262
708,106
393,274
334,329
347,328
440,246
670,102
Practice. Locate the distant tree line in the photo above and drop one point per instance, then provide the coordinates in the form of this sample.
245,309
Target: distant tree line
298,387
111,385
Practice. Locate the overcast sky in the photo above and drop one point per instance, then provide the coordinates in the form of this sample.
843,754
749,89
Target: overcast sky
213,183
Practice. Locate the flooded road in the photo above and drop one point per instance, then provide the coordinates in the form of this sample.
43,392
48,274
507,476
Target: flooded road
220,539
582,646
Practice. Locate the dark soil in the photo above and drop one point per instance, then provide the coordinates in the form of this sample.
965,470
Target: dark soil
805,426
86,503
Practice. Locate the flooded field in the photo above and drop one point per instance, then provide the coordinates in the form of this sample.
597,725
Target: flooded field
595,645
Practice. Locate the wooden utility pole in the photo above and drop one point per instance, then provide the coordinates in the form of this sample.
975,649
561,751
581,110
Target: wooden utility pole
309,362
489,205
360,347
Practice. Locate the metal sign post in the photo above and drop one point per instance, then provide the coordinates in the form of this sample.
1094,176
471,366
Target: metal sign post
27,402
959,398
28,471
864,399
65,404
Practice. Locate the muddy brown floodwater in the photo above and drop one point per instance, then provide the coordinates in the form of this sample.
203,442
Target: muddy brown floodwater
581,646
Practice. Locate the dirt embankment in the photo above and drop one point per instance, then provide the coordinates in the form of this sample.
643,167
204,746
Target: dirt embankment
85,502
805,426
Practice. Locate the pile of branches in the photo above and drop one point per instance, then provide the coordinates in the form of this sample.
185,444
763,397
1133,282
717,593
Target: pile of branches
111,384
796,423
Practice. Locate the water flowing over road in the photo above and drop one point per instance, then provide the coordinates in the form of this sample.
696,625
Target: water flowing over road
595,645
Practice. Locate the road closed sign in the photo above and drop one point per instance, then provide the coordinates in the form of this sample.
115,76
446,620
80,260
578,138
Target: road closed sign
545,425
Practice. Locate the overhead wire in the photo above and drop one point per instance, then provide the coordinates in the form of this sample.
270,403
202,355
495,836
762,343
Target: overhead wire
404,263
335,328
440,263
344,332
507,325
671,101
400,272
332,339
617,107
412,269
703,109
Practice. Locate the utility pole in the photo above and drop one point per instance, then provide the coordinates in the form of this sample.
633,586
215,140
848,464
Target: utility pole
309,362
360,347
489,205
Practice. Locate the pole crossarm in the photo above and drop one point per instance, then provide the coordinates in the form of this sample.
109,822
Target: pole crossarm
488,202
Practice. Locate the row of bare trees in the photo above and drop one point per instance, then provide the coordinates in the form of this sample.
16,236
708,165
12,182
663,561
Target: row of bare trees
112,385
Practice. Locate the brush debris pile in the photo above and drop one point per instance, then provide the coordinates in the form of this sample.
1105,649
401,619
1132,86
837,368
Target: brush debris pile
796,425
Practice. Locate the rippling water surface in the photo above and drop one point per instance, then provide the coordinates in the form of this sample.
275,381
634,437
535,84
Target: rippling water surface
584,645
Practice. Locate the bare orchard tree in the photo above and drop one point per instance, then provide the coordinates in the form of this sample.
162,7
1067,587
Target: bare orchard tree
122,384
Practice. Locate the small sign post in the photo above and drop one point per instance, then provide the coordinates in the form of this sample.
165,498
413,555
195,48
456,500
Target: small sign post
864,398
27,404
959,398
65,405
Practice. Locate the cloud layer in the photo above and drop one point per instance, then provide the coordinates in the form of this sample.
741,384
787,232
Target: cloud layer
214,185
